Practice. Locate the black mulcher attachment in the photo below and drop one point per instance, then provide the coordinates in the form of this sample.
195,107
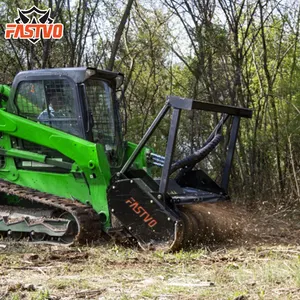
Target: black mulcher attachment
163,214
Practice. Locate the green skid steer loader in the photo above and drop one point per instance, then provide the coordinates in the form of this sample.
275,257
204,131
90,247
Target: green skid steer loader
66,175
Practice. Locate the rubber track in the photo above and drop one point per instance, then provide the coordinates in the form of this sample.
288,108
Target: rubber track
87,219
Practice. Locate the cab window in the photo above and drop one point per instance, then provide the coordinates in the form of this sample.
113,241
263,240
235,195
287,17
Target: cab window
50,102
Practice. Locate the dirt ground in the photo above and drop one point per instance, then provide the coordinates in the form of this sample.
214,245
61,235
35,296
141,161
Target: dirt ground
261,260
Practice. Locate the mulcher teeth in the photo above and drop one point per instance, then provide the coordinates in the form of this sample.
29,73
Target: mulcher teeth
209,223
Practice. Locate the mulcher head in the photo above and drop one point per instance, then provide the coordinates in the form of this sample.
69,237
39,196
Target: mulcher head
173,213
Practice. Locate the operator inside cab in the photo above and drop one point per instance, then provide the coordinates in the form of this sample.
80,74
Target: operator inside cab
58,114
54,109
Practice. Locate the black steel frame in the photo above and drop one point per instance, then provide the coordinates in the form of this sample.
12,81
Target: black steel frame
179,104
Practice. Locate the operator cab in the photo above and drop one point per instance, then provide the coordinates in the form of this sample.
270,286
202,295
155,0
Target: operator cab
79,101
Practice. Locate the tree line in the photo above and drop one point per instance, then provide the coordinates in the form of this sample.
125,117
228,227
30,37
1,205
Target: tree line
239,52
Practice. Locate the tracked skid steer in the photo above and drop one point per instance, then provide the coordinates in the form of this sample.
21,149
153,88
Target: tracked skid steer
67,176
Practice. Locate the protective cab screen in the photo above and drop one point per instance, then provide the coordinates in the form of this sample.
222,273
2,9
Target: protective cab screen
50,102
101,106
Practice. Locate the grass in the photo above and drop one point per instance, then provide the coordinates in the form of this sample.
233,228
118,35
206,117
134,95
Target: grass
114,272
39,295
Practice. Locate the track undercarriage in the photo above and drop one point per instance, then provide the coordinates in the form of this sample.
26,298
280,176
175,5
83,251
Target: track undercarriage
46,218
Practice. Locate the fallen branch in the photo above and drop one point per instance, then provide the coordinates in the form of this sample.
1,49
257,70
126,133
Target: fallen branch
90,293
199,284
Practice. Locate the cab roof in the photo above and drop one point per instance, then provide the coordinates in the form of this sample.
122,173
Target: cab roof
77,74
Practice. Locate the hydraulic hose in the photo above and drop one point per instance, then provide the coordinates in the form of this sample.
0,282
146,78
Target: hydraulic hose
198,155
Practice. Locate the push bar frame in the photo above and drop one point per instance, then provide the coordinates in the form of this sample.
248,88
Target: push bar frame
178,104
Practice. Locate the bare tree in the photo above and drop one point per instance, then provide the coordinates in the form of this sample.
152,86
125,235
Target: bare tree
118,35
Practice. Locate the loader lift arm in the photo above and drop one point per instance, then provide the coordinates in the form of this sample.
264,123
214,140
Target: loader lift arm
163,206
